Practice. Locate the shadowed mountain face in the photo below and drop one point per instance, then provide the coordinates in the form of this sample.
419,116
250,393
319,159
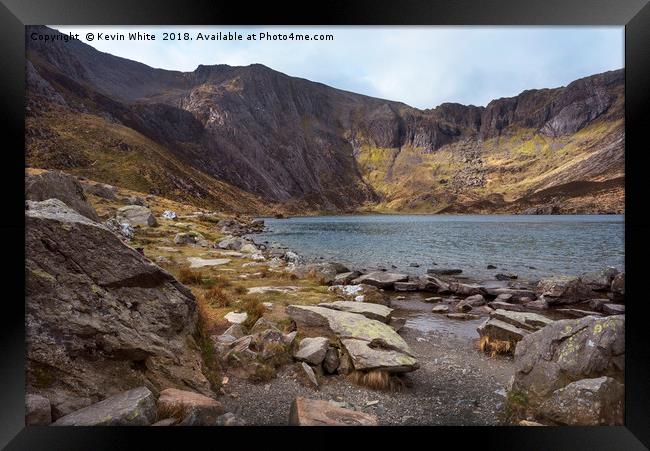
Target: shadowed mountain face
264,137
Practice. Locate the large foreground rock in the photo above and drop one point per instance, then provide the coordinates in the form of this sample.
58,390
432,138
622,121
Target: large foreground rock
101,318
567,351
587,402
136,407
193,409
372,344
381,279
38,411
312,412
369,310
136,215
40,186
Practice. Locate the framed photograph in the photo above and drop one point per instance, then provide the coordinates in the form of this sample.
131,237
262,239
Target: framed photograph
415,214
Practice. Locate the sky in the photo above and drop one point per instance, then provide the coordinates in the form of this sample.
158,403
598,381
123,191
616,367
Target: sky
420,66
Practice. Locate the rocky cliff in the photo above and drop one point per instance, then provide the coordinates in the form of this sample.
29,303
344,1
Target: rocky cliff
242,138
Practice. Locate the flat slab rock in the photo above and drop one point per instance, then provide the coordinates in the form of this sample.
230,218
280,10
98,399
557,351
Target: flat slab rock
198,409
198,262
381,279
373,311
524,320
500,330
135,407
311,412
363,332
236,318
284,289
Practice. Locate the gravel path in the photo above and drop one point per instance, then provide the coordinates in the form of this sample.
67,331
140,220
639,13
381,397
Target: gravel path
455,385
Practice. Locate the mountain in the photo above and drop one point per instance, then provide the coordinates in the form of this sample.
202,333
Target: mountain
254,139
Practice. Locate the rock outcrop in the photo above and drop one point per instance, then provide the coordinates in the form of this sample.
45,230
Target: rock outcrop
548,361
315,412
43,185
370,344
100,317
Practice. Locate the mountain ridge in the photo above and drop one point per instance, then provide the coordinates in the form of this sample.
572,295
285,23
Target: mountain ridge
305,146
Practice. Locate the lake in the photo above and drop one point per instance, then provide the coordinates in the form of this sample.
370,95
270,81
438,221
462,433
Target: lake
530,246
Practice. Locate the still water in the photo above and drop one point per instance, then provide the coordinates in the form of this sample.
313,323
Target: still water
531,246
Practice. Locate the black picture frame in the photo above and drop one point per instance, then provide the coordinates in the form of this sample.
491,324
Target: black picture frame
633,14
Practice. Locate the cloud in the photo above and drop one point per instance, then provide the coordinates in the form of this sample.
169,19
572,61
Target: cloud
420,66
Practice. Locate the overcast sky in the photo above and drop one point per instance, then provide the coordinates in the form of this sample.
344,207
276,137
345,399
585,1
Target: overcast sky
420,66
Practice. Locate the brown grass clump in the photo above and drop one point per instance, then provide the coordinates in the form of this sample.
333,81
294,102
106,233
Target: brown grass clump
495,347
253,306
221,282
376,380
177,411
217,297
240,289
189,276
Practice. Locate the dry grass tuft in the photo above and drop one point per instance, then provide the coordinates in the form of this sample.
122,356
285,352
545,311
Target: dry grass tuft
217,297
190,277
252,305
495,347
240,290
376,380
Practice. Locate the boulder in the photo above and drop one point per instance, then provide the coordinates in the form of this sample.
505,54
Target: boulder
198,262
564,290
232,243
236,318
525,320
577,313
434,284
613,309
509,276
506,306
362,293
433,299
101,190
499,330
372,311
345,278
309,373
618,287
235,331
600,280
310,412
406,286
504,297
312,350
188,238
586,402
99,316
331,360
371,344
125,230
440,309
38,411
136,215
463,306
567,351
444,271
597,304
193,408
381,279
465,289
249,248
475,300
538,304
136,407
40,186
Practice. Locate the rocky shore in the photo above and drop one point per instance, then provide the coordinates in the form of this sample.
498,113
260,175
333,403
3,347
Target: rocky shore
145,311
